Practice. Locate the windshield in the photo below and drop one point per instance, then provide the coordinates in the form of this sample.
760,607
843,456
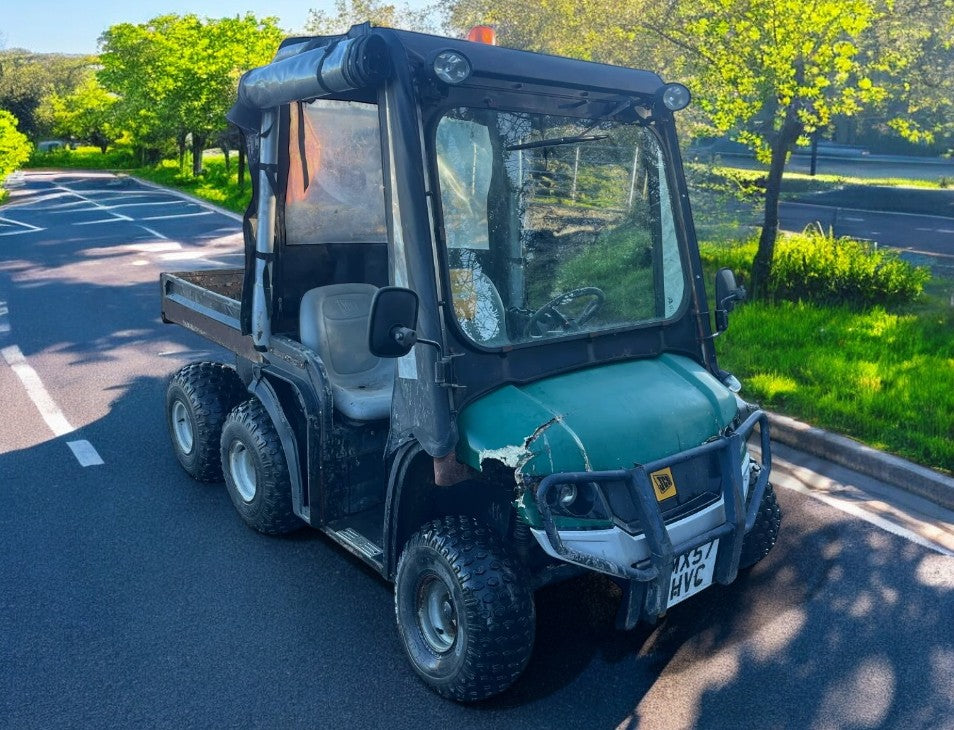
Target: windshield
555,226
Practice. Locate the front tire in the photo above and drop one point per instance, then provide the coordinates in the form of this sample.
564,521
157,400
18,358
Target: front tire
198,399
757,544
256,473
464,609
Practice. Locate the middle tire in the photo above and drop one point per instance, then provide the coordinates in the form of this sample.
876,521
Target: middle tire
255,470
464,609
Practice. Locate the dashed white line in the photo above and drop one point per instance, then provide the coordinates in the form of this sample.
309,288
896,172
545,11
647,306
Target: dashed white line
853,220
83,450
48,409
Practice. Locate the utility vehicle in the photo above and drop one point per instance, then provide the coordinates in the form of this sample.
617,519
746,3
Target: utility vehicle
472,341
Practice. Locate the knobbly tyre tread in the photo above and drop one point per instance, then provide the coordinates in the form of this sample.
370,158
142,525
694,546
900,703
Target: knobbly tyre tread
210,390
498,606
270,511
760,541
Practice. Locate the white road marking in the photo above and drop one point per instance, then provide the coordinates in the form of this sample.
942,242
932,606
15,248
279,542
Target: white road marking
855,511
84,452
140,262
862,210
44,403
853,220
102,220
94,203
140,205
944,230
27,226
4,311
180,215
155,247
154,233
190,198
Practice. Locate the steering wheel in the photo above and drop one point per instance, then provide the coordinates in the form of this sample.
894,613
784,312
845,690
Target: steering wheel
549,316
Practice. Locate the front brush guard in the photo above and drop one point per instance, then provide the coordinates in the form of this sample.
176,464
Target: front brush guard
655,578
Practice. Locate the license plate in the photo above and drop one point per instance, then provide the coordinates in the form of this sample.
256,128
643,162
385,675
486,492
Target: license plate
692,572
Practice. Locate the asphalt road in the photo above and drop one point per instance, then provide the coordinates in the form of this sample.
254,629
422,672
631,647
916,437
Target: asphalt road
132,596
922,234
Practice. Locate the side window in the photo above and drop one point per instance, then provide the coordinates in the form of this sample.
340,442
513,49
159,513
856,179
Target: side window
335,188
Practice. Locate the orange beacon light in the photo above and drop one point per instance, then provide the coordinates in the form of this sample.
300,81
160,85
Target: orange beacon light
483,34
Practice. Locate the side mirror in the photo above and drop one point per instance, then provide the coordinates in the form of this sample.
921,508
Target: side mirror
392,321
728,292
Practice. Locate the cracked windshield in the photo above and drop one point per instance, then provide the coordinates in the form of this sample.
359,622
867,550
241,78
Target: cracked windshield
555,226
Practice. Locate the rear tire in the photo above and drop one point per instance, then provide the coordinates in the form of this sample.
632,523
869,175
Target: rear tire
464,609
759,542
256,473
198,399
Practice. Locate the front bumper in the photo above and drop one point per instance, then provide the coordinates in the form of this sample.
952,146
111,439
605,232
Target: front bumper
646,561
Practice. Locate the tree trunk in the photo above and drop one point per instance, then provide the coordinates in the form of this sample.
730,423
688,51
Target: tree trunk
228,160
181,143
762,266
198,147
241,167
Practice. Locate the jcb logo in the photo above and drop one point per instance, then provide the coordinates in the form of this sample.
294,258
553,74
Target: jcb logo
663,484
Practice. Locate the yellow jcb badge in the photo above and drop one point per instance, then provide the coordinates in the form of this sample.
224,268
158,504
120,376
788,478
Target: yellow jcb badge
663,484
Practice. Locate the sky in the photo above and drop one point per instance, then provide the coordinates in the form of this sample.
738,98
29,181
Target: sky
73,26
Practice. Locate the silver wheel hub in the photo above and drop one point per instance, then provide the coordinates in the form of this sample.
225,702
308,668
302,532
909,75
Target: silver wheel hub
182,428
436,614
242,469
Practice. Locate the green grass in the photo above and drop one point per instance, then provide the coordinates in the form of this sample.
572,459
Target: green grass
883,376
214,185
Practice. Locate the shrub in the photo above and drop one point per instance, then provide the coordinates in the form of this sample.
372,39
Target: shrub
817,267
14,146
86,158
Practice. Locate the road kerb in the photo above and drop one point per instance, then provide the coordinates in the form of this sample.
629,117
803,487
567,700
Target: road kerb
913,478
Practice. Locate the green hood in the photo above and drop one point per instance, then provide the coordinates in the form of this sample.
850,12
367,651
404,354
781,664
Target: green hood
606,417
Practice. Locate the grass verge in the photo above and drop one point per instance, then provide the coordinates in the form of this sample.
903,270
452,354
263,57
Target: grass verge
215,184
884,377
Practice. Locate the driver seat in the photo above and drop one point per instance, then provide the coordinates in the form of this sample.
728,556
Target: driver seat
333,321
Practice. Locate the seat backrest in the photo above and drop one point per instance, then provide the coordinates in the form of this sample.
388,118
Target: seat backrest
333,321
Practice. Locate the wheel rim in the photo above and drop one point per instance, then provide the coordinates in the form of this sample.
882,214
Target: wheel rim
436,614
182,427
242,469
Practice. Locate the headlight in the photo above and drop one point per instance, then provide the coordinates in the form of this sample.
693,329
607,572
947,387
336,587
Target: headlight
578,500
451,67
675,97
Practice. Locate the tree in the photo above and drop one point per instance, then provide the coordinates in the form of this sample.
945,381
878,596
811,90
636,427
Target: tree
352,12
15,148
176,76
922,108
770,71
86,114
26,78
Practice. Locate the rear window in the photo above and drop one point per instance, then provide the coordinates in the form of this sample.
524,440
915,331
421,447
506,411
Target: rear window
335,188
